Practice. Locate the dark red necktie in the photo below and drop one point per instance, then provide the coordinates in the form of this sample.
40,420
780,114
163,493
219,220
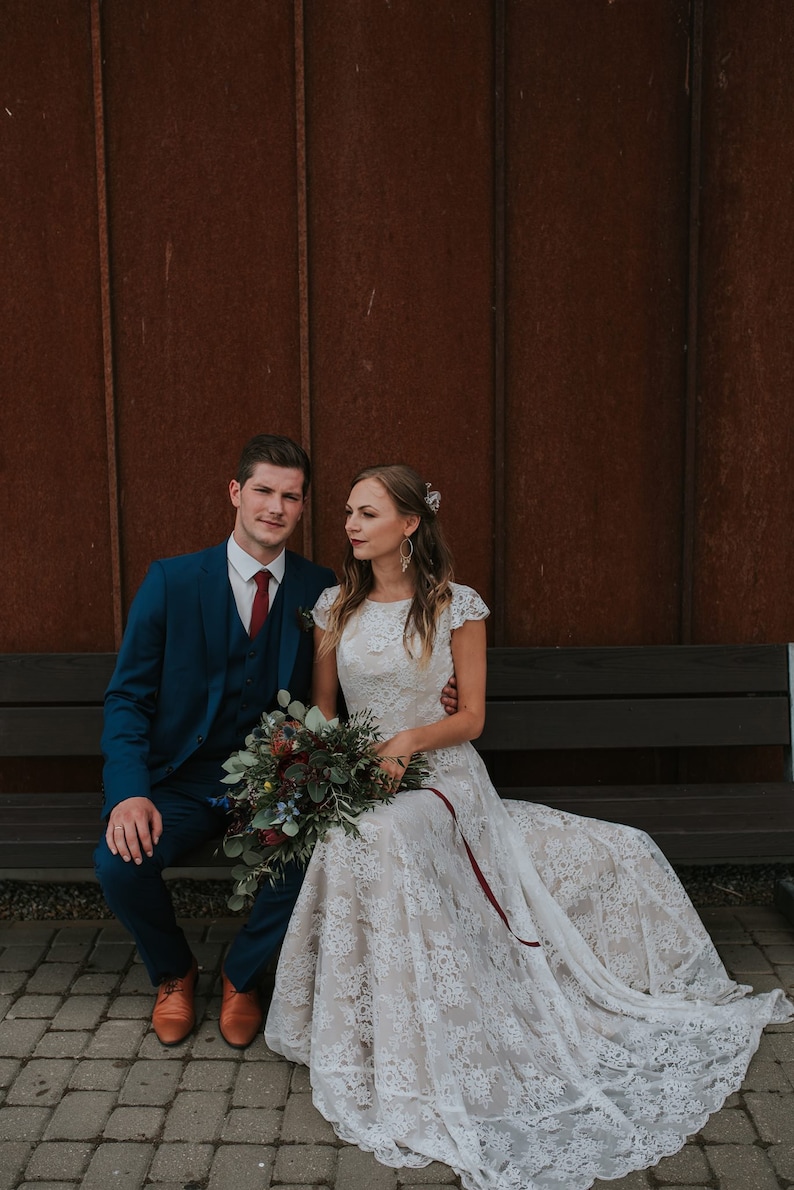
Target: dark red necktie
261,602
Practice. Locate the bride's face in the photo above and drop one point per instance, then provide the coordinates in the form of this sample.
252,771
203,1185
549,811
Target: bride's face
373,524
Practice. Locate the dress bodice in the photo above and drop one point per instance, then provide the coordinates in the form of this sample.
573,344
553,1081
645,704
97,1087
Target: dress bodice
379,675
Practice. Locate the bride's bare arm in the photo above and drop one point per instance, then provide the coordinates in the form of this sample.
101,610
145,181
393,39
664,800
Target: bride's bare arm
325,683
469,656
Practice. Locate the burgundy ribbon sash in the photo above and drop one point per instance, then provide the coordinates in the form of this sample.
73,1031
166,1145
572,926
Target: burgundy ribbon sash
486,888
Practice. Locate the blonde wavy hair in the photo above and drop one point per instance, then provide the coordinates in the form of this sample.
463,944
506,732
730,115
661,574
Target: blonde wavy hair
432,562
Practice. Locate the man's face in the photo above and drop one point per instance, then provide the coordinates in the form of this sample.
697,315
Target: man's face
269,506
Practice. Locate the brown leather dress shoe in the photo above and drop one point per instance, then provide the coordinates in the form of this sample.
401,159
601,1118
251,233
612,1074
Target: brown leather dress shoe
174,1015
241,1016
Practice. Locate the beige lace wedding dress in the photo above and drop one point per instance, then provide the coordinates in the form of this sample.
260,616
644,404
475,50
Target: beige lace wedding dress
432,1033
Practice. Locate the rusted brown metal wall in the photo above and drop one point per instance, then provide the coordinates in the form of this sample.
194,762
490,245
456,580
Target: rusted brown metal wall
542,249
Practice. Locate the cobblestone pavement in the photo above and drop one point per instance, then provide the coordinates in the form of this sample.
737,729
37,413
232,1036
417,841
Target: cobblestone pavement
89,1097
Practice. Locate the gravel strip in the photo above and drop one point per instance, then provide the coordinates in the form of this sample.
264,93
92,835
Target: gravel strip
715,885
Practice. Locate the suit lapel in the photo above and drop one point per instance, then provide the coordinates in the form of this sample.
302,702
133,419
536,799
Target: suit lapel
292,591
214,595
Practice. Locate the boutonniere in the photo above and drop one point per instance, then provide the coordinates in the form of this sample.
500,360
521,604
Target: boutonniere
305,619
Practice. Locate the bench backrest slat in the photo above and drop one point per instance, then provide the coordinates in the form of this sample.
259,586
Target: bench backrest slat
55,677
659,669
636,723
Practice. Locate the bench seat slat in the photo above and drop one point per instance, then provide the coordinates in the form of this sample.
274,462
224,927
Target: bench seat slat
657,669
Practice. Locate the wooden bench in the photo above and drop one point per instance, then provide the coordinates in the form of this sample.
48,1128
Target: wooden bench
660,697
539,699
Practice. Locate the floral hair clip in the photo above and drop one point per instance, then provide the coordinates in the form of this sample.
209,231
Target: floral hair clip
432,499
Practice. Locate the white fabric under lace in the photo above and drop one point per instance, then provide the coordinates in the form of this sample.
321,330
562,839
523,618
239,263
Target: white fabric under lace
432,1034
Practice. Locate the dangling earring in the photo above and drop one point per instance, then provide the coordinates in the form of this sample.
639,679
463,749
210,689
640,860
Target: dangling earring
405,559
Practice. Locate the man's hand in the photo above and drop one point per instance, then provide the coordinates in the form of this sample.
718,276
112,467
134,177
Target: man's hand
449,696
134,826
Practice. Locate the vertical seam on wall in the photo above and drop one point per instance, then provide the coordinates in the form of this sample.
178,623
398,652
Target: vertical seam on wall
695,82
105,305
499,203
303,261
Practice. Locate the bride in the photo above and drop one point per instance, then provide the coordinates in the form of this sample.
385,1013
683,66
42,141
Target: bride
433,1028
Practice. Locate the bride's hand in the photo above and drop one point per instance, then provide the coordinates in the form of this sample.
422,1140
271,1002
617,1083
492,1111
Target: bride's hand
396,754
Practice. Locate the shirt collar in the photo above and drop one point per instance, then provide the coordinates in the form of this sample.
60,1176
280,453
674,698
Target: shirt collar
247,567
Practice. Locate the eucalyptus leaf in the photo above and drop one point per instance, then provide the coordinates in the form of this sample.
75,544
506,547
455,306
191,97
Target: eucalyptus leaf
296,772
233,846
317,791
263,820
290,828
338,777
236,902
284,697
297,710
232,779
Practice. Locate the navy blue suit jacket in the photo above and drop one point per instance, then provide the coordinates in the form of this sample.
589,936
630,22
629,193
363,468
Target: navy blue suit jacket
171,668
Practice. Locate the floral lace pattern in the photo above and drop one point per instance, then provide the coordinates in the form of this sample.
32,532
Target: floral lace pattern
432,1034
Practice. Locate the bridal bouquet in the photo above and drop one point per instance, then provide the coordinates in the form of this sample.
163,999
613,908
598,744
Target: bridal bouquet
298,775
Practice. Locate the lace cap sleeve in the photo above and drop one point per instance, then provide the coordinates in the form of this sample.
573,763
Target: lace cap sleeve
323,606
466,605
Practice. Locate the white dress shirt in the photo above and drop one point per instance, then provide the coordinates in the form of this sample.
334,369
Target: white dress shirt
242,568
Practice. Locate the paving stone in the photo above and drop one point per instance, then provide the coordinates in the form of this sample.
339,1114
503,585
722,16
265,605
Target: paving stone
23,1123
19,932
765,1075
116,1039
61,1045
99,1074
729,1126
52,978
112,931
13,1159
760,917
780,956
434,1174
75,935
245,1167
94,984
208,956
300,1080
782,1159
137,982
19,1038
773,1115
224,930
122,1166
45,1186
357,1170
59,1159
303,1123
110,956
302,1164
209,1076
134,1123
196,1116
42,1082
9,1068
247,1125
687,1166
6,1002
11,981
632,1181
129,1008
22,958
743,960
186,1162
741,1167
150,1082
208,1043
261,1084
80,1012
781,1045
81,1115
153,1049
34,1006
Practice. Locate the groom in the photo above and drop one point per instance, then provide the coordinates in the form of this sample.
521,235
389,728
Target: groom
211,638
